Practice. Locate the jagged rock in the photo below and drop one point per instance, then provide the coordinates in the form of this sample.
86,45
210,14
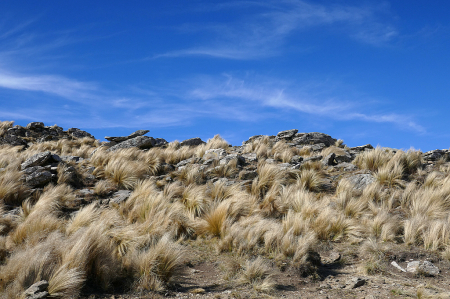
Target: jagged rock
192,142
38,290
218,153
435,155
313,138
13,140
286,135
40,160
341,158
226,159
329,160
362,148
35,125
132,135
361,181
247,175
17,131
160,142
425,268
77,133
37,176
142,142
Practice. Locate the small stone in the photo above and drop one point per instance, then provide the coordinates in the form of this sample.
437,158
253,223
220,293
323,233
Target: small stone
356,282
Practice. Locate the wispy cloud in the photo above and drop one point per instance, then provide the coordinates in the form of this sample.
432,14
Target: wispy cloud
264,33
304,98
57,85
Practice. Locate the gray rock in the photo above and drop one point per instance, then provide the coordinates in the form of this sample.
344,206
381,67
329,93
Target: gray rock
329,160
286,135
37,176
68,159
37,291
435,155
318,147
346,166
13,140
38,160
119,197
192,142
270,161
218,153
362,148
356,282
132,135
250,157
247,175
313,138
296,159
424,268
77,133
209,161
142,142
185,162
226,159
35,125
343,158
160,142
361,181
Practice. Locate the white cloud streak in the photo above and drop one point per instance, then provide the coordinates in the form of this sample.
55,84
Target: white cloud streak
263,93
264,34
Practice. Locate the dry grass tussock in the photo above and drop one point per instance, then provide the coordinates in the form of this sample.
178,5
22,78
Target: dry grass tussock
283,215
4,126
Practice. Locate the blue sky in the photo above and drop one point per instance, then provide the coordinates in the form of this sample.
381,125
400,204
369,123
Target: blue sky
363,71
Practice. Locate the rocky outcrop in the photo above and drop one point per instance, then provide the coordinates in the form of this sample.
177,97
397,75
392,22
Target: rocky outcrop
36,132
132,135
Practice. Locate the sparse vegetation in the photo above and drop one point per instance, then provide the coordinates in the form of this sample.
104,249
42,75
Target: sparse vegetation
71,233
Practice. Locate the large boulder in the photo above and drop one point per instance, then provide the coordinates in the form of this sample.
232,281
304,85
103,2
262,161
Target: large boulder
141,142
77,133
313,138
40,159
286,135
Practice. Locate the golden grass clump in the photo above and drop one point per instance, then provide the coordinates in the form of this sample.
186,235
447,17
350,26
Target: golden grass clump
373,159
4,126
158,264
258,274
